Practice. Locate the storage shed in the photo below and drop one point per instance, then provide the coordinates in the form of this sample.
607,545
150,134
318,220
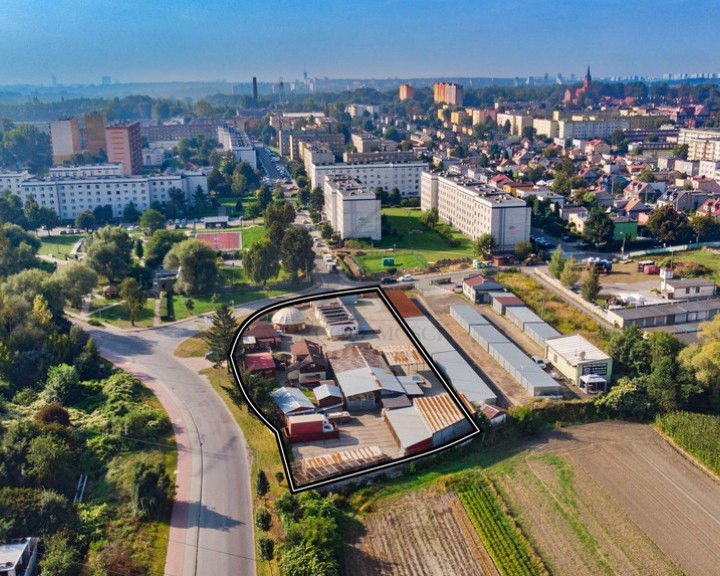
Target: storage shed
501,301
464,378
292,401
486,334
260,363
574,356
409,430
431,338
467,316
309,428
539,332
444,419
521,315
328,396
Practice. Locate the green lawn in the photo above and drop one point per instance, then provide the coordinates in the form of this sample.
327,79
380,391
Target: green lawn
252,234
58,245
119,315
414,245
704,257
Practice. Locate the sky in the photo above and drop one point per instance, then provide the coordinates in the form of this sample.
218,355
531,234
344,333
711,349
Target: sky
79,41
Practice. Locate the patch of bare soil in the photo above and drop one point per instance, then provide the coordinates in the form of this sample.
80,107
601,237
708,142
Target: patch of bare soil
419,534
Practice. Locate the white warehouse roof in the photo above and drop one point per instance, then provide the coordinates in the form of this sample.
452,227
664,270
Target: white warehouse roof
576,349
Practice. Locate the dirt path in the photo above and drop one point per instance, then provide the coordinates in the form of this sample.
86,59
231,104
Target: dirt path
419,534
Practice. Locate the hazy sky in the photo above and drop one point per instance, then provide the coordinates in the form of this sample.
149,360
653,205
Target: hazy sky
78,41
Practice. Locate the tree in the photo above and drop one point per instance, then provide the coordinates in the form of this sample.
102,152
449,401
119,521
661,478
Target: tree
630,351
196,264
75,280
262,486
523,250
103,215
317,199
151,490
668,226
61,555
702,359
110,252
262,261
264,196
50,463
133,296
61,384
570,273
11,209
221,334
131,213
646,175
138,249
275,232
598,227
680,151
297,250
199,200
591,286
429,218
85,220
266,548
160,244
152,220
557,263
706,227
177,202
290,213
382,195
395,197
484,245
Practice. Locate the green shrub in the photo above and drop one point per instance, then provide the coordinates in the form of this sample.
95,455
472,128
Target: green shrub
25,397
266,548
263,519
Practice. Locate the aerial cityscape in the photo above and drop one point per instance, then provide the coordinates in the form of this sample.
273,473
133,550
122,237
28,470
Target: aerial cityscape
399,288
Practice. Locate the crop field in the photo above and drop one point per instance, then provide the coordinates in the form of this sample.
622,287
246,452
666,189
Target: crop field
598,499
419,534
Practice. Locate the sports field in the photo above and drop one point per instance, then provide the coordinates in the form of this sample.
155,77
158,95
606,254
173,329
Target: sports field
222,240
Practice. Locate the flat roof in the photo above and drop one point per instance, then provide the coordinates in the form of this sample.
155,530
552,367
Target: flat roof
409,426
11,552
576,349
402,303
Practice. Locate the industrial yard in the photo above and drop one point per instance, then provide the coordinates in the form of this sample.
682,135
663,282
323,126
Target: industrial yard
353,389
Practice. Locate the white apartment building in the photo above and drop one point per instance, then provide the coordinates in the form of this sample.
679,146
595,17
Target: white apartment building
352,210
239,143
69,196
590,128
475,209
703,144
12,181
405,176
87,171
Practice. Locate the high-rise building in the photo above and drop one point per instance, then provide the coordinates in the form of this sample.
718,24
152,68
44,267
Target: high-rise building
448,92
65,139
95,133
254,88
124,145
407,92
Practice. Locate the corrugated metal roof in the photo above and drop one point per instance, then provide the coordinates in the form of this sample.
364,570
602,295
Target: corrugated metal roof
541,329
576,349
409,426
468,314
361,370
523,314
402,303
327,391
464,379
440,412
290,399
402,355
429,335
411,384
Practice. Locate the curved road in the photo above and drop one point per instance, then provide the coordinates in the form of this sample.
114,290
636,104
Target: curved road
211,529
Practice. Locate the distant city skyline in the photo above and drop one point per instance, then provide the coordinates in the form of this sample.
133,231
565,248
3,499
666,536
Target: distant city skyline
81,41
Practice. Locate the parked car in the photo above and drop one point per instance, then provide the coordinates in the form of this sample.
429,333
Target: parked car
539,361
407,278
388,280
457,288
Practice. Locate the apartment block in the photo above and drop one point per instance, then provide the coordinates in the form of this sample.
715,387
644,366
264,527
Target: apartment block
702,144
64,139
95,132
405,176
124,145
71,194
239,143
352,209
406,92
12,181
449,93
475,209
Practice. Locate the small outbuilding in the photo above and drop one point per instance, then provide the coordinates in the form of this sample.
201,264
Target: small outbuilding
292,401
328,396
260,363
574,356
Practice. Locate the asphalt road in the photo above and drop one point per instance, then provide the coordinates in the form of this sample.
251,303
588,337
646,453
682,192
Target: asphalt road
211,530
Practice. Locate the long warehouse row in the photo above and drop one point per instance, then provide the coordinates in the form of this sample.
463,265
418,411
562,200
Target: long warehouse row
513,360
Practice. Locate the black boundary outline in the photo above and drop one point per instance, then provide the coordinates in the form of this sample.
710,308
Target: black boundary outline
401,322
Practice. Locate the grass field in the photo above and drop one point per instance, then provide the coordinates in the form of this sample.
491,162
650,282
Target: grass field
414,245
119,315
252,234
553,310
58,245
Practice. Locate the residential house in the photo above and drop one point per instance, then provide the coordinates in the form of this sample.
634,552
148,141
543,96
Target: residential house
705,184
263,333
640,190
682,200
597,146
711,206
309,365
260,363
477,286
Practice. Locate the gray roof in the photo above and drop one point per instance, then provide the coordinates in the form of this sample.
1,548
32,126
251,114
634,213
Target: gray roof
409,425
464,379
291,399
327,391
571,347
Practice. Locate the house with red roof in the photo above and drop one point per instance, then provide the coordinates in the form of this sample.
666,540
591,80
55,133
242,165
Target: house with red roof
476,288
260,362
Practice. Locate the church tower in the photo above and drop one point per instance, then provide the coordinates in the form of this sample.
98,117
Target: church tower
588,79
